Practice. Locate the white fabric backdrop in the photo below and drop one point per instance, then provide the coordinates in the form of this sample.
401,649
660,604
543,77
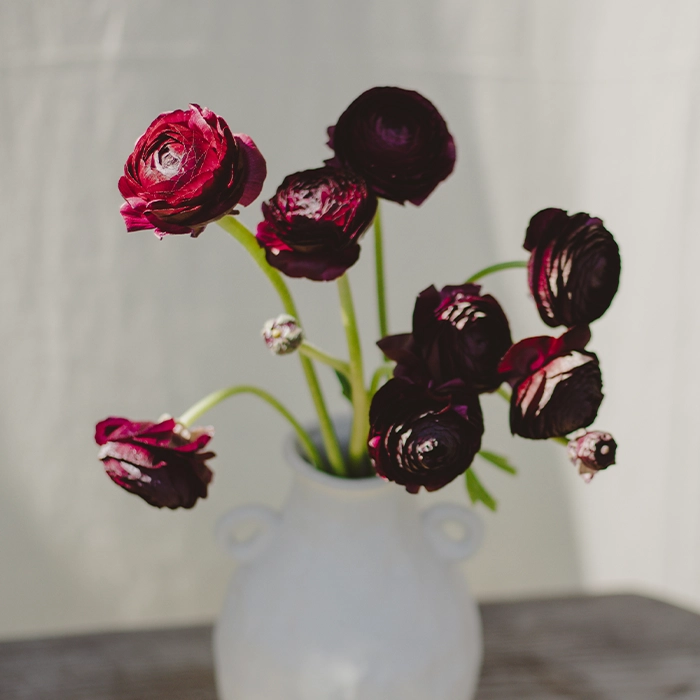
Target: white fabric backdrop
583,104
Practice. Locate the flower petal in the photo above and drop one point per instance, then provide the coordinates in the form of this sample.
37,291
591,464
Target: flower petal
257,169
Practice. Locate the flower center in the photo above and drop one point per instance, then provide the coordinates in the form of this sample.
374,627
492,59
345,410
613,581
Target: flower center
427,445
393,135
168,161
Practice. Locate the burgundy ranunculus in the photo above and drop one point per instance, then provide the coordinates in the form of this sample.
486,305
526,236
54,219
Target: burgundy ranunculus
574,267
424,436
161,462
188,170
397,140
314,222
557,385
592,452
457,333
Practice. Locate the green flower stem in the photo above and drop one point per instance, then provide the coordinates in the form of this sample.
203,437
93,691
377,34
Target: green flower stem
335,457
360,420
380,372
506,395
496,268
234,227
216,397
314,353
379,268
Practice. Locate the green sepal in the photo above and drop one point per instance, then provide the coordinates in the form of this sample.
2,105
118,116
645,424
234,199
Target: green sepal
498,461
345,385
477,492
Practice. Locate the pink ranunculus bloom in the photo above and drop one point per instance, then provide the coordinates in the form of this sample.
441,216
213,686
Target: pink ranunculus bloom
424,435
161,462
314,222
557,385
458,333
574,267
188,170
397,140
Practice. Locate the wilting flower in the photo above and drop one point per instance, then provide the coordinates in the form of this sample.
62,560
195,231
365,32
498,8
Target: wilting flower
314,222
424,436
592,452
457,333
188,170
397,140
557,385
282,335
574,267
161,462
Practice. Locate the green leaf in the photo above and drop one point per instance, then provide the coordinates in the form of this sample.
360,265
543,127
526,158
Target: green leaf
477,492
498,461
344,385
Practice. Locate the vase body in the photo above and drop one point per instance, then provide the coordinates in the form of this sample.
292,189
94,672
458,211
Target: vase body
349,593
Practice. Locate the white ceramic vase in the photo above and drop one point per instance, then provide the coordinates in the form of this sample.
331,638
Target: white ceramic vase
349,593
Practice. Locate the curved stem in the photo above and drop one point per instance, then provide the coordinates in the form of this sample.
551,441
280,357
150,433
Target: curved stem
379,373
496,268
314,353
563,440
379,269
330,441
235,228
503,393
360,419
216,397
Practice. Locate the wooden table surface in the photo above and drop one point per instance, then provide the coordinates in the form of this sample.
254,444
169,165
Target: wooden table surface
588,648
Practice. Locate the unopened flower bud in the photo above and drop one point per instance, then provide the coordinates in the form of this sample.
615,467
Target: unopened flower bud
282,334
591,452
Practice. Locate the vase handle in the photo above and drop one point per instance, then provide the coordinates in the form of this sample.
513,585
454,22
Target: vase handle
436,517
265,518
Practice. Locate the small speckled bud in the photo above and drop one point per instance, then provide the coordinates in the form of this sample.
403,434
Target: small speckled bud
282,334
591,452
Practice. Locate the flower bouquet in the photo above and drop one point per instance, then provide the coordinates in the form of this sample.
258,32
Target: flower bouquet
417,422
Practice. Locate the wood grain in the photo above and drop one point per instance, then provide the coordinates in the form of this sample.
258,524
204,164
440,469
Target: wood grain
592,648
587,648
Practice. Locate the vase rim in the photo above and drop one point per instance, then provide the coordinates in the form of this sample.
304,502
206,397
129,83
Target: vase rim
308,471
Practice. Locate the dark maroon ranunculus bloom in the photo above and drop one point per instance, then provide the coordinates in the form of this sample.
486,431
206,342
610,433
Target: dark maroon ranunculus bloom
161,462
397,140
592,452
314,222
188,170
424,436
574,267
557,385
457,333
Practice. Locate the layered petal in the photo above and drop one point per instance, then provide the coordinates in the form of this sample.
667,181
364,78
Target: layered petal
188,170
313,224
397,140
161,462
458,333
424,436
574,267
557,385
